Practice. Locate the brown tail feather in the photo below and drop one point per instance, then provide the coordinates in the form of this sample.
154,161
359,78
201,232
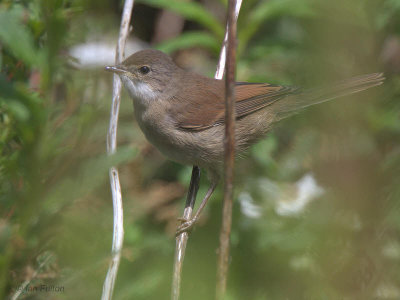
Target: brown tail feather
305,98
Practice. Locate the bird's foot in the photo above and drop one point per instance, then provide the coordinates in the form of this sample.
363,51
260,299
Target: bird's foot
186,225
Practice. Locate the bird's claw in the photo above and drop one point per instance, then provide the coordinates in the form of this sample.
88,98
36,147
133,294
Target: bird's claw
186,225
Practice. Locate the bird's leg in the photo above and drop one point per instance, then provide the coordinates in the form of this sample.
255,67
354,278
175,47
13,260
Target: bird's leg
188,224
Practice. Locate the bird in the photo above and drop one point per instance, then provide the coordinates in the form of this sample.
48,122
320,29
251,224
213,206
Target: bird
182,113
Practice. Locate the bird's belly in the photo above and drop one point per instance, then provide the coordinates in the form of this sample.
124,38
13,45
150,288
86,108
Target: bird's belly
191,148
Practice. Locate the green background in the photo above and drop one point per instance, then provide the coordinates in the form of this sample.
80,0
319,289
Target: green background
55,200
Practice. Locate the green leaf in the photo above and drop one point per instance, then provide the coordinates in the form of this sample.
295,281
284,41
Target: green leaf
19,92
268,10
275,8
20,111
16,38
190,39
191,11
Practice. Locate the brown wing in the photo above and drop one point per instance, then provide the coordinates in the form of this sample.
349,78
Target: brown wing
206,109
251,97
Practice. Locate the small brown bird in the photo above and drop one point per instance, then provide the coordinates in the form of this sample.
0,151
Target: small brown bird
182,113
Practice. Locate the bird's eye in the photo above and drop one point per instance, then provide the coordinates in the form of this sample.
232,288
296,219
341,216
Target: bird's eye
144,70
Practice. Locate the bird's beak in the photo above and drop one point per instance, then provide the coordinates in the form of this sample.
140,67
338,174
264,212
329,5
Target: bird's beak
116,69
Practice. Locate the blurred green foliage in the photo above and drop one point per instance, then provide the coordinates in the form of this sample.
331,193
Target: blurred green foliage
55,203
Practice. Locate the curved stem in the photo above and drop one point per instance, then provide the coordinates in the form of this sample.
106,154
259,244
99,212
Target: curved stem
118,227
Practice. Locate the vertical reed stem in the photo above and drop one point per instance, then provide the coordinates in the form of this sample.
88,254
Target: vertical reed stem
229,142
181,240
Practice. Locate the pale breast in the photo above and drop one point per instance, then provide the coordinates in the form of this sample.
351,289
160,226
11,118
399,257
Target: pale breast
181,146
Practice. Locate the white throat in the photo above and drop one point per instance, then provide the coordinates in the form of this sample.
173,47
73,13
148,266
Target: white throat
139,91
